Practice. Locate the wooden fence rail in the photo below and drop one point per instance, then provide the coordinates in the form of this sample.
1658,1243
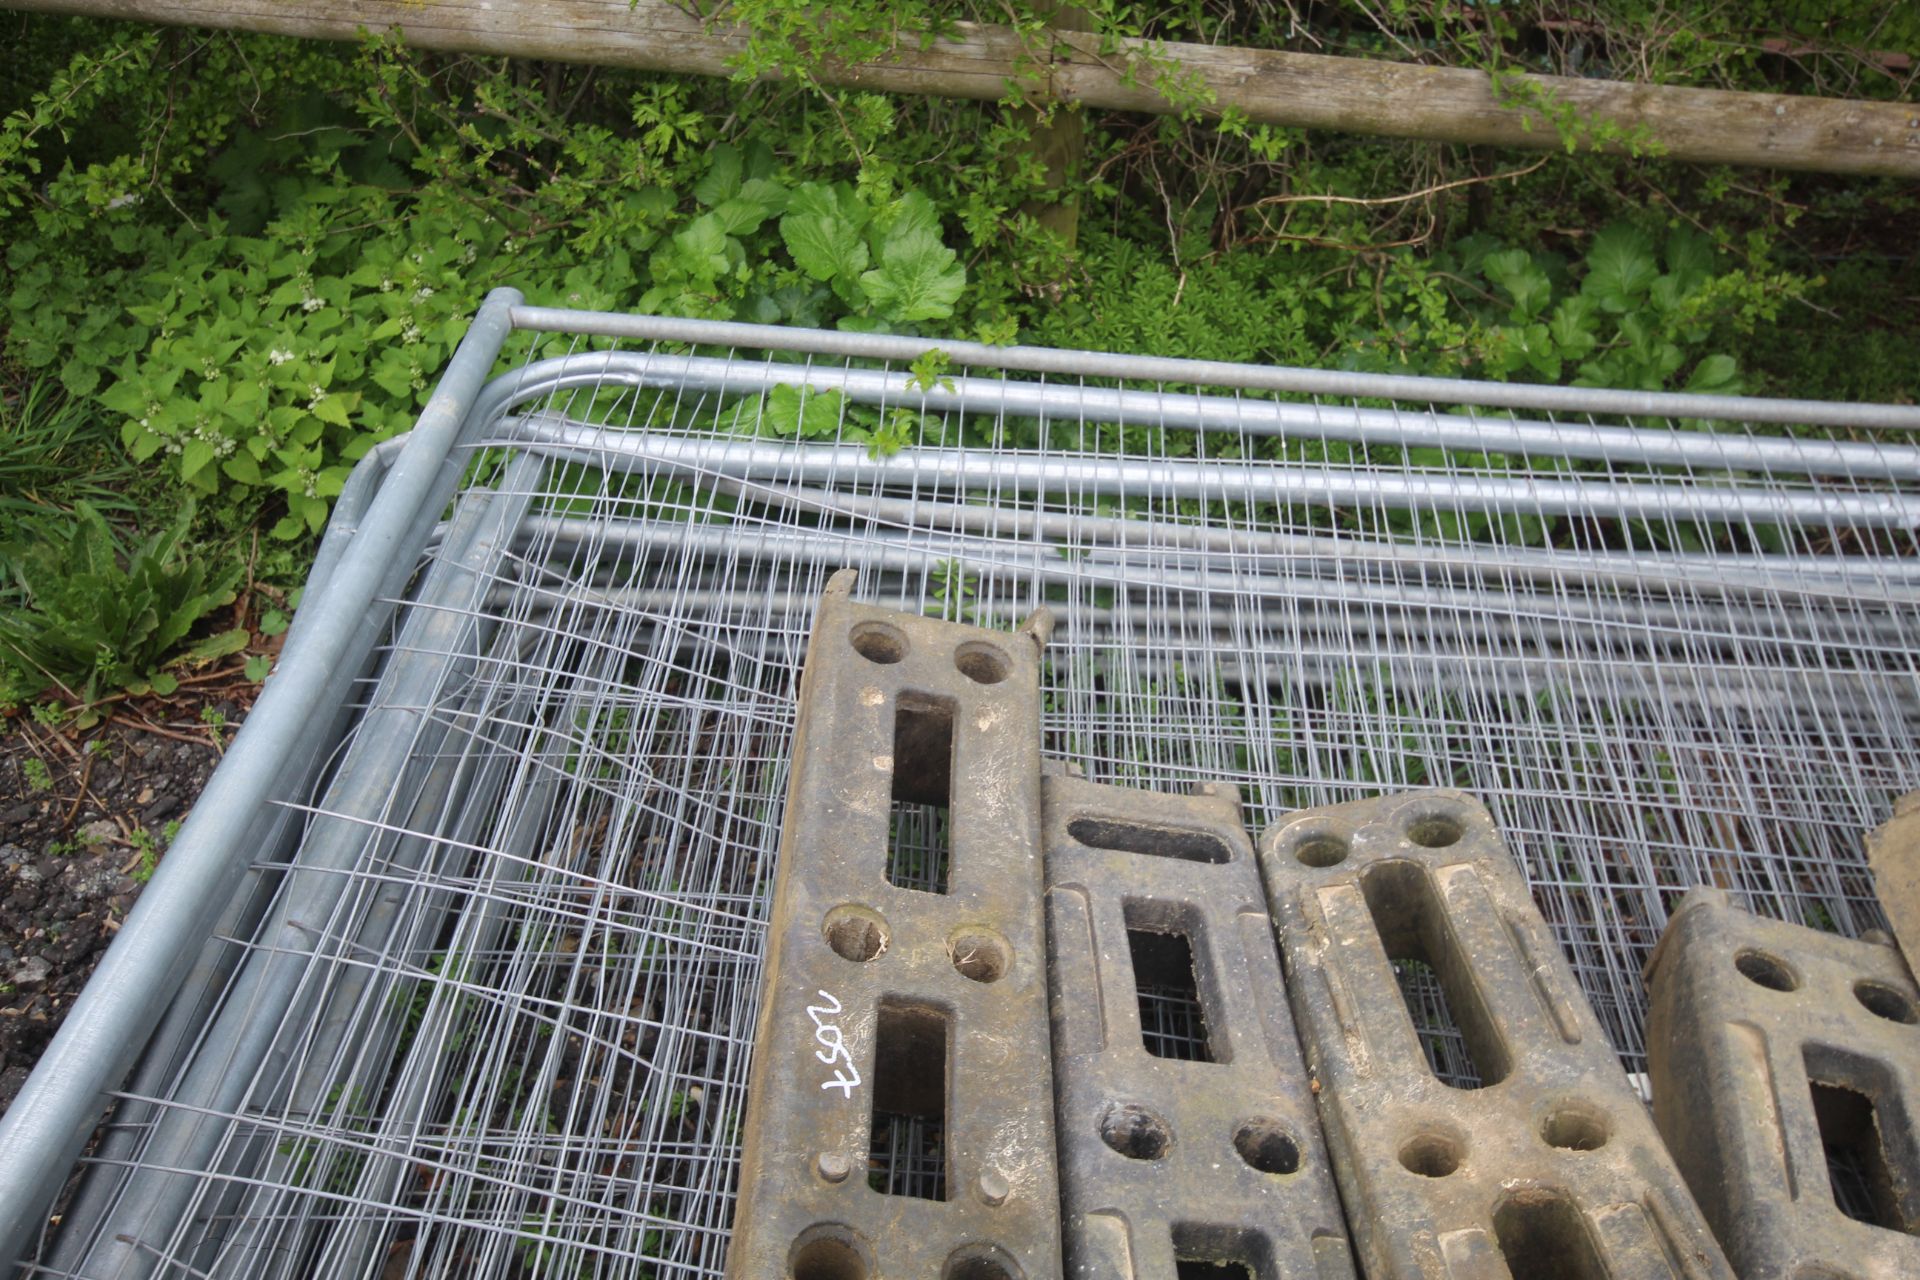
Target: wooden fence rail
1267,86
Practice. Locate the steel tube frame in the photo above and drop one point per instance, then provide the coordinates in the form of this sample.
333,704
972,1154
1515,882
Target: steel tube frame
1324,382
241,1043
1843,579
813,464
1068,403
1282,582
104,1031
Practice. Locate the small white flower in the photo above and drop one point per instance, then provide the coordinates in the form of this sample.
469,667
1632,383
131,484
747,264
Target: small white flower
277,356
410,334
312,305
424,292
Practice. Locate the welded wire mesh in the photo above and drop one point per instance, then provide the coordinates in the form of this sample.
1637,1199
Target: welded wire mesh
1434,1023
498,1021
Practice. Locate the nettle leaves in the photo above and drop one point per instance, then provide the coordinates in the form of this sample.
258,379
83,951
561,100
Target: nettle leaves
274,359
888,264
1637,310
273,362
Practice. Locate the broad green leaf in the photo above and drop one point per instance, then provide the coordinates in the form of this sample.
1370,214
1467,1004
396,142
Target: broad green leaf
1528,345
241,467
79,377
701,248
394,375
825,246
913,214
1523,282
194,455
1572,327
836,201
1689,258
759,158
257,668
1716,375
803,411
764,194
722,179
219,646
164,683
740,216
760,309
1665,362
332,409
862,324
918,279
1620,267
1666,294
312,510
126,396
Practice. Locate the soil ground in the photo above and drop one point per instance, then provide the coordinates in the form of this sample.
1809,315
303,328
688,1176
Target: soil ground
84,818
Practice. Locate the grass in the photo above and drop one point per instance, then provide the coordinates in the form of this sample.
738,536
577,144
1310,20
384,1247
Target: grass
55,451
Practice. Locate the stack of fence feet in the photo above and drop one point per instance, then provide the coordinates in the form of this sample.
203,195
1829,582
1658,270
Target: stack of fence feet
1016,1024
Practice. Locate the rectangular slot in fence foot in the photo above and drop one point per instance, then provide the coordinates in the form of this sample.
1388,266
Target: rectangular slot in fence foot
900,1118
1188,1140
1786,1070
1477,1119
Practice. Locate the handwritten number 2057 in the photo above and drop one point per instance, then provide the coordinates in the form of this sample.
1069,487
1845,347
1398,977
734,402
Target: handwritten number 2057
833,1050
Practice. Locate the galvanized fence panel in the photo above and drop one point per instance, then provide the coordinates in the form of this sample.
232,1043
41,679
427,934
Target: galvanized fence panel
485,990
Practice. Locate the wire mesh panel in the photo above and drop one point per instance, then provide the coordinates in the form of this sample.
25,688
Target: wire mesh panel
502,1027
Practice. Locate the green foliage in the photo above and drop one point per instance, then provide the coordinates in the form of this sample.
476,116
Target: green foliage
239,293
1630,323
265,350
55,450
1577,131
1635,311
929,371
98,615
149,850
807,413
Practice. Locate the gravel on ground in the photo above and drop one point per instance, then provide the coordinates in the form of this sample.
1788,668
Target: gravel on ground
85,816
